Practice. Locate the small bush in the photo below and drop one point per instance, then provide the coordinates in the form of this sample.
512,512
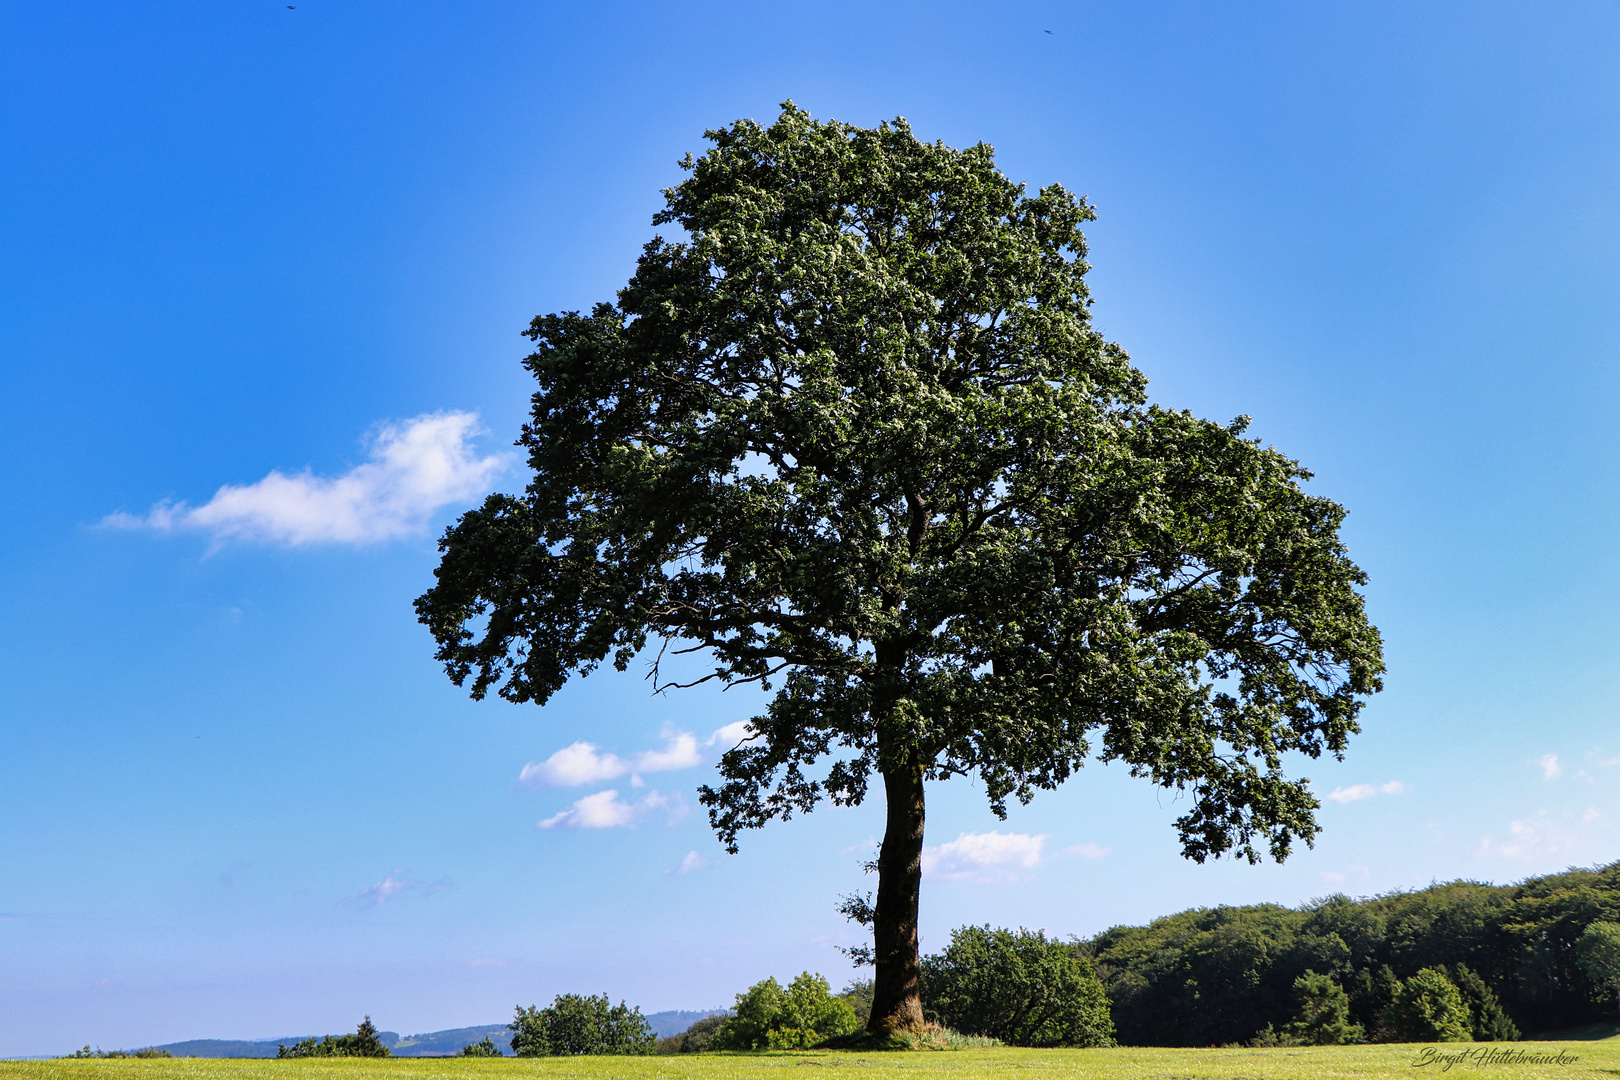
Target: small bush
695,1039
487,1048
581,1024
363,1043
769,1017
1020,988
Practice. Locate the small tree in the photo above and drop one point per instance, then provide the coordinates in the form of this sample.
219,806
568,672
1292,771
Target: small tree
1597,951
1488,1021
769,1017
1429,1008
576,1024
1020,988
365,1042
485,1048
1322,1013
855,437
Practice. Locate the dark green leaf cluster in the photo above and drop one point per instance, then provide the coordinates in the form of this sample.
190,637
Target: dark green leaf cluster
852,435
581,1024
148,1052
1020,988
770,1017
1428,1008
363,1043
485,1048
1225,975
695,1039
1322,1013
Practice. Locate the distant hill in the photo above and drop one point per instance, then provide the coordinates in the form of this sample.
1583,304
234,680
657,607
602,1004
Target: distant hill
429,1044
677,1021
451,1040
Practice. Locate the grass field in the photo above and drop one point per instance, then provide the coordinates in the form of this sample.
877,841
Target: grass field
1600,1060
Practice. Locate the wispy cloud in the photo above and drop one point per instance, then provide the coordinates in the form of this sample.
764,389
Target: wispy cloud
584,763
1550,769
1339,877
395,883
692,861
1087,850
1365,791
1541,835
415,468
991,856
605,810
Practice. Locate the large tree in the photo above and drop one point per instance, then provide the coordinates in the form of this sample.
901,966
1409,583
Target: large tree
852,436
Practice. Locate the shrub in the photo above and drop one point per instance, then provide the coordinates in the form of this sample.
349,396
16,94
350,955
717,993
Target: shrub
580,1024
771,1018
363,1043
148,1052
1429,1008
487,1048
1019,988
695,1039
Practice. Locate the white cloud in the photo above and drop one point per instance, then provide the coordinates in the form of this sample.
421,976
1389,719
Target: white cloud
692,861
605,810
1543,836
1365,791
575,764
390,886
680,752
1088,850
731,734
582,763
1339,877
1550,769
415,468
991,856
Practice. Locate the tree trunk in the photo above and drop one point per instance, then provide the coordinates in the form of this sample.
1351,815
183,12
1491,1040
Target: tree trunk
896,992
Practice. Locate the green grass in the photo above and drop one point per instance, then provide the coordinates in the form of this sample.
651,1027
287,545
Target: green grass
1595,1061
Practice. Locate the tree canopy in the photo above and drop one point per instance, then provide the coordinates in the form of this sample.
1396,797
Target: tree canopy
1017,987
580,1024
769,1016
852,436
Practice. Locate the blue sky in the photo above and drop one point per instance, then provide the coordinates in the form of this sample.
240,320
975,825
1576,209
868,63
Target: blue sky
262,272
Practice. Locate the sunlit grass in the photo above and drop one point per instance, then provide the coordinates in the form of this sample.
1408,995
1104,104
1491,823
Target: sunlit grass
1599,1060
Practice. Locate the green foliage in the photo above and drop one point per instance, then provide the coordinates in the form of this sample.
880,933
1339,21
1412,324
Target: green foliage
1488,1021
859,996
1597,951
855,438
1428,1008
363,1043
1221,976
576,1024
694,1040
1019,988
486,1048
148,1052
1322,1013
768,1017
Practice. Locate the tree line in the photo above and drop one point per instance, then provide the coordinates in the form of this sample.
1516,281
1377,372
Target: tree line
1461,960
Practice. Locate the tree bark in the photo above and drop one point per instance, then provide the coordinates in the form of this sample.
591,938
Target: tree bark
896,991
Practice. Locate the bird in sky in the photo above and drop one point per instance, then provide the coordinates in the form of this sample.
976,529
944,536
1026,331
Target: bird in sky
1049,31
